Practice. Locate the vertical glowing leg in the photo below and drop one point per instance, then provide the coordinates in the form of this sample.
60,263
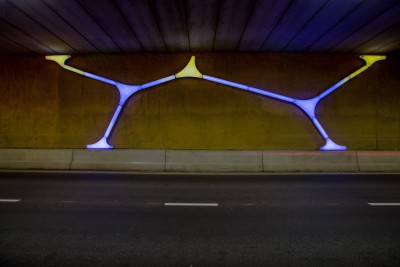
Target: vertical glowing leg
125,91
102,143
113,120
329,144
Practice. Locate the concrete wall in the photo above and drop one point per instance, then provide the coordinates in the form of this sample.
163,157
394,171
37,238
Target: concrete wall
200,160
45,106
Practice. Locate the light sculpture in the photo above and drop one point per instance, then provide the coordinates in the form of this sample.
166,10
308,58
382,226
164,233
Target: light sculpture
125,91
307,105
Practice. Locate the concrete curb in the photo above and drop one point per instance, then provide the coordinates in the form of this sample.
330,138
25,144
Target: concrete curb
379,161
251,161
118,160
47,159
213,161
310,161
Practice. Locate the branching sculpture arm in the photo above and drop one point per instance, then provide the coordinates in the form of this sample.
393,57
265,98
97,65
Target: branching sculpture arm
125,91
307,105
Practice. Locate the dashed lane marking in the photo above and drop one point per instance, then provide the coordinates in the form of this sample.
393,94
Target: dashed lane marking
10,200
384,204
192,204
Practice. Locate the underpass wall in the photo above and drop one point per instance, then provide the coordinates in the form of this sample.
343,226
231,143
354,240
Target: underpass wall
43,106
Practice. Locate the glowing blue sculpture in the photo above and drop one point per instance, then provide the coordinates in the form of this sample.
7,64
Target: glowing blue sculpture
307,105
125,91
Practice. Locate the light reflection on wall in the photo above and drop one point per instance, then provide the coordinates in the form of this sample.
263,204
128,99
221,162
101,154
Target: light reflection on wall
308,106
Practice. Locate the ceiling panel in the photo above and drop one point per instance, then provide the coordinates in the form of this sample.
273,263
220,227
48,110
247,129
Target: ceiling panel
142,21
202,24
375,27
172,20
296,17
261,23
41,13
380,40
78,18
392,46
355,21
233,16
328,16
111,20
23,22
128,26
11,47
21,38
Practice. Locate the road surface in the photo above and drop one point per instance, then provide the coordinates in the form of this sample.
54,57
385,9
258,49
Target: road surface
100,219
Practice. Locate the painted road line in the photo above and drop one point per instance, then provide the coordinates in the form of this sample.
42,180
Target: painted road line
10,200
384,204
192,204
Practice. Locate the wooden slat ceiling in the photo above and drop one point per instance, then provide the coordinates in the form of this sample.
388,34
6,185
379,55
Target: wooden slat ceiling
125,26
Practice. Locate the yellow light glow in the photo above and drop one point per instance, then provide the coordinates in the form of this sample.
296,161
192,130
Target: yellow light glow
369,60
190,70
372,59
60,59
81,72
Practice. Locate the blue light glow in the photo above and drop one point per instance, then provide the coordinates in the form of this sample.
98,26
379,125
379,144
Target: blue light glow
333,87
113,120
320,129
157,82
225,82
101,79
308,106
248,88
101,144
272,95
332,146
125,91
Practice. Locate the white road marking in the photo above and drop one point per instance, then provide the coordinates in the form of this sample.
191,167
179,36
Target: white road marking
192,204
10,200
384,204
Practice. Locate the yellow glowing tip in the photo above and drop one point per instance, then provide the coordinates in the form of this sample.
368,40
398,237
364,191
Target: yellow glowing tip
190,70
60,59
369,60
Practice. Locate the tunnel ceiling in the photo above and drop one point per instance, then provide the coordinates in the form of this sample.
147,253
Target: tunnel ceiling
125,26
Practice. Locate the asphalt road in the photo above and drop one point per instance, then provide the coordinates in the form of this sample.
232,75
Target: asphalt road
89,219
